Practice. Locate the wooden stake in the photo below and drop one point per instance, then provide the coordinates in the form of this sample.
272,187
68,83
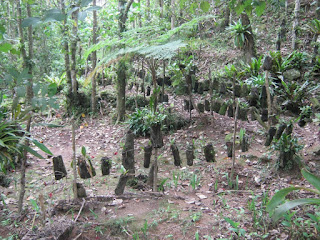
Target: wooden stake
75,189
268,98
155,173
234,139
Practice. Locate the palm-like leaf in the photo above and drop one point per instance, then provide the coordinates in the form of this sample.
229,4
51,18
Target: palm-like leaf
277,208
314,26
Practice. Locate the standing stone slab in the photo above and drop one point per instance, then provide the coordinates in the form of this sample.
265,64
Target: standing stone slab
216,106
280,130
207,105
176,155
272,131
263,97
223,109
128,152
244,144
264,115
121,184
237,90
196,86
106,164
187,105
254,97
156,136
59,168
223,88
229,148
85,170
230,111
209,153
200,107
243,114
148,91
190,154
147,156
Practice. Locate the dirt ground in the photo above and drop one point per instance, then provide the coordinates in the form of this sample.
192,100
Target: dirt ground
195,201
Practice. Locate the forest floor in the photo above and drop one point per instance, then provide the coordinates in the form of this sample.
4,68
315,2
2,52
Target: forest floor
184,209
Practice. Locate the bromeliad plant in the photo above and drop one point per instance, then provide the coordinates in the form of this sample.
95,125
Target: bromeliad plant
12,144
293,92
253,68
238,30
141,120
277,207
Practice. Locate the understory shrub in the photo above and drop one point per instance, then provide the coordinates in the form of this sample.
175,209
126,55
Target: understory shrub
140,120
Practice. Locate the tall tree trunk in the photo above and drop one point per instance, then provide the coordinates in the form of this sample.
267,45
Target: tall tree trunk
27,63
121,72
139,15
74,42
66,50
161,3
249,47
148,9
30,58
226,18
173,17
94,60
74,162
121,90
315,36
22,47
295,25
23,170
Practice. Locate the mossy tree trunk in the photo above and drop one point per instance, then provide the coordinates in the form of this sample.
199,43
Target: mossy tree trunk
128,153
94,59
73,48
249,47
173,17
295,25
27,63
123,7
66,50
121,90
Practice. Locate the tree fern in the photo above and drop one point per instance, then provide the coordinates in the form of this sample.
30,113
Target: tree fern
147,36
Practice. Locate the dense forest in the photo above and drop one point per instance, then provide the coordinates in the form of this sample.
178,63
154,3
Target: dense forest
159,119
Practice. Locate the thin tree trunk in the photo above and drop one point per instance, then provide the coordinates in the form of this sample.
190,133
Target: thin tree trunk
161,3
315,37
121,72
173,17
153,67
249,47
155,170
29,95
74,167
234,138
148,9
139,15
94,60
30,46
23,170
226,19
74,42
121,90
295,25
268,99
22,47
66,50
164,75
